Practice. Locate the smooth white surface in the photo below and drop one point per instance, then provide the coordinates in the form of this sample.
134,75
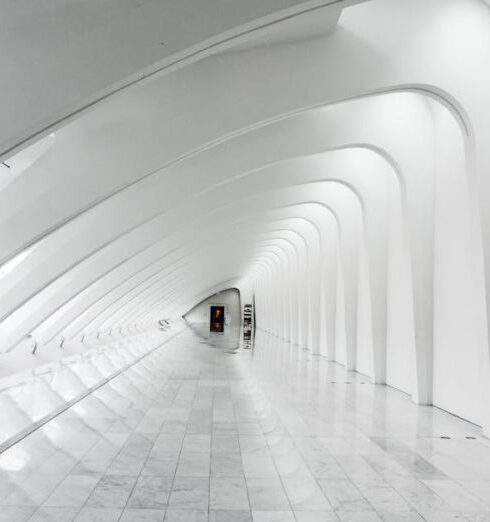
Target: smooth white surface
197,431
347,170
32,396
76,52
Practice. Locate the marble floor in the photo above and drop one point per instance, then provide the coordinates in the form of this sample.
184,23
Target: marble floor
204,431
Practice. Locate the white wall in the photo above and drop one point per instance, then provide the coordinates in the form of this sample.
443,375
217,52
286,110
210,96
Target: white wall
459,342
400,320
382,126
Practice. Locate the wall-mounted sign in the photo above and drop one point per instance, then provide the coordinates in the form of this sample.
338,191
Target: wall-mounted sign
247,322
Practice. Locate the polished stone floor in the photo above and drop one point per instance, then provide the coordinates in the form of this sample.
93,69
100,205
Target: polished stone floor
201,430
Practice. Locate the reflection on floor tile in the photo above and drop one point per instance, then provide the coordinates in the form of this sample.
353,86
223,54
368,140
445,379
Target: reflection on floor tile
210,432
142,515
88,514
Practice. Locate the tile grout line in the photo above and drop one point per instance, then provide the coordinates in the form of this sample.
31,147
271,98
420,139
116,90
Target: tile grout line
241,457
116,456
211,436
146,459
79,509
178,457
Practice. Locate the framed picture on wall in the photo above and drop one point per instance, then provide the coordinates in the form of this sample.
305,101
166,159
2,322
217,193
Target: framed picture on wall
216,319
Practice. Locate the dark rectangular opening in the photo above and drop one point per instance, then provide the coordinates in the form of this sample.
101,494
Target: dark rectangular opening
217,319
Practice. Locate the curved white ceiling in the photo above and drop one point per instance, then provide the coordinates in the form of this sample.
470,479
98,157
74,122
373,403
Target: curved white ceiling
79,52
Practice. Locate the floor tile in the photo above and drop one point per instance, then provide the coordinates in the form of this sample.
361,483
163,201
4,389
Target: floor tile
358,516
150,492
189,493
258,464
88,514
267,494
273,516
176,515
230,516
51,514
456,496
33,491
228,493
194,464
400,516
260,435
111,491
476,517
73,491
142,515
305,494
164,468
344,496
227,465
442,516
316,516
16,513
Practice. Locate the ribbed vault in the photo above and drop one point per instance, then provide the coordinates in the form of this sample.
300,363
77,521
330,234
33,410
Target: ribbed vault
302,152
